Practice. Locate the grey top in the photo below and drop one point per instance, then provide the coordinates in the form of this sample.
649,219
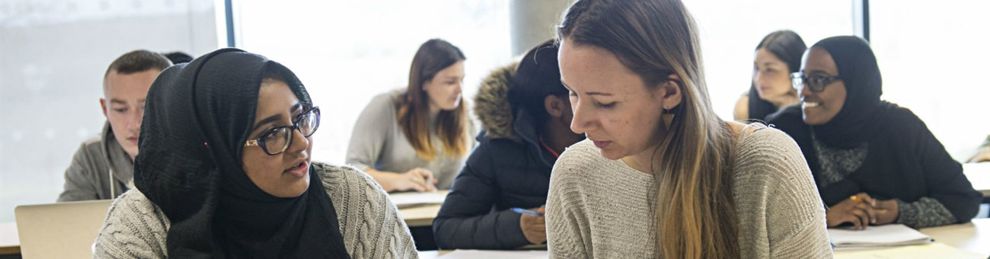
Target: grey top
378,142
369,222
88,177
600,208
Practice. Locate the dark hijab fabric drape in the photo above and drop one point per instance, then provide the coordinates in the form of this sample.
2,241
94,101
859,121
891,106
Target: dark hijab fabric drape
904,161
863,110
197,117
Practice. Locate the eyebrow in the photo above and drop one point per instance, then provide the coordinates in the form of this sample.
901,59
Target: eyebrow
117,101
588,93
274,118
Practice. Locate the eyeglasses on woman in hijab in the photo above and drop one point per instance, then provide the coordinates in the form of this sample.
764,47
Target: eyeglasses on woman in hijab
278,139
816,82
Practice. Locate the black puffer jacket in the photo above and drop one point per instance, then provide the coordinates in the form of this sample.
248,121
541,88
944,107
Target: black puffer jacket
508,169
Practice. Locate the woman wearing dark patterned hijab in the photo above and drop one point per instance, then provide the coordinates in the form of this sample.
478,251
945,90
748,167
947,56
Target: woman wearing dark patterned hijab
874,162
225,172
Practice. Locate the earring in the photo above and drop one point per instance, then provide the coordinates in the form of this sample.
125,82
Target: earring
668,117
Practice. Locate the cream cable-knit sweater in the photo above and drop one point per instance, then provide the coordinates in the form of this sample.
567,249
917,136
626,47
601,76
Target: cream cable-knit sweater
599,208
369,222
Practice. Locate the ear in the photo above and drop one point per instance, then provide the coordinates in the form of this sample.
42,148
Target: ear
103,106
554,106
669,93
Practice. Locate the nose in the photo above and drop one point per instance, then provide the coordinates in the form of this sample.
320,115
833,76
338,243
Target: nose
134,122
580,122
804,91
299,142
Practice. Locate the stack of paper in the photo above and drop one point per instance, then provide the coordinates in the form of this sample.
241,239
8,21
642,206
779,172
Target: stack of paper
877,236
410,199
933,250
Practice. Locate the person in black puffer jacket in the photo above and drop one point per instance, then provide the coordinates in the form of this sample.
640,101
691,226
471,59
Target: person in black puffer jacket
525,114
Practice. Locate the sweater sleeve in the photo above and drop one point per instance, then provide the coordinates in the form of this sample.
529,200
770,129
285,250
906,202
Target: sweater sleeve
466,220
370,132
564,217
795,217
369,221
946,183
134,228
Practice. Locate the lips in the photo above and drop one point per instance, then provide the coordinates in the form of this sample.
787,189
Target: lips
807,104
299,169
133,140
602,144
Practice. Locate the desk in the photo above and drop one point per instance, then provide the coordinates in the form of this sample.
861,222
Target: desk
973,236
978,175
9,241
420,215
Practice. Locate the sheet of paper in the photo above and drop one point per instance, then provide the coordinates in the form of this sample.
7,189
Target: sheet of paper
409,199
886,235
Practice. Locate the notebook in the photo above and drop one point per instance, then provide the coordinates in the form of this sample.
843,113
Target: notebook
60,230
877,236
412,199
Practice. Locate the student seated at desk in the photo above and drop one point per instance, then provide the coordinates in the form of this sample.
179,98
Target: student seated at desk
103,167
416,138
225,172
525,116
874,162
777,56
983,153
660,175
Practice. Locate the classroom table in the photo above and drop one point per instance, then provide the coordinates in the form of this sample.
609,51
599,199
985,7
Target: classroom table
420,216
416,214
972,237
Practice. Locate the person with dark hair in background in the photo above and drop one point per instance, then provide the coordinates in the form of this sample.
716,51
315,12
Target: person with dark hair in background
777,56
525,116
874,162
102,167
415,139
226,171
178,57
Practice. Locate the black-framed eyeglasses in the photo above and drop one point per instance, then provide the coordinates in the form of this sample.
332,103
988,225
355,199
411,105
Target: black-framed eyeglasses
816,82
278,139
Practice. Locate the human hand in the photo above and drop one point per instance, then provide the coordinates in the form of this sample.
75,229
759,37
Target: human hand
417,179
534,227
860,210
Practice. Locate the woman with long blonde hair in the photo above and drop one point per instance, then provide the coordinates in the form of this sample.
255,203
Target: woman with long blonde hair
660,174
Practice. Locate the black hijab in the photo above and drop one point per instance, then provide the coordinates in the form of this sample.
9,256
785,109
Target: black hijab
862,111
197,117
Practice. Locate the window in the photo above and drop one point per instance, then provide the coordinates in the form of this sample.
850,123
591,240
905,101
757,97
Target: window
933,56
348,52
730,30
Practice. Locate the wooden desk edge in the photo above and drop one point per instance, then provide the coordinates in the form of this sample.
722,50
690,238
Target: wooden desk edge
10,250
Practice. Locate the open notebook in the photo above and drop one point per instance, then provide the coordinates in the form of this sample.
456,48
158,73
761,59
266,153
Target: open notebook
877,236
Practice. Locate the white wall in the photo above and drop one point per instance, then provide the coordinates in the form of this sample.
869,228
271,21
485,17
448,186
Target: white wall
52,58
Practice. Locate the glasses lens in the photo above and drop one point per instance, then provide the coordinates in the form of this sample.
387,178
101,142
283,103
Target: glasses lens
277,140
797,80
309,122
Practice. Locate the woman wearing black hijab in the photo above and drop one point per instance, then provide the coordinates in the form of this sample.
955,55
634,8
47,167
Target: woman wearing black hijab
225,173
874,163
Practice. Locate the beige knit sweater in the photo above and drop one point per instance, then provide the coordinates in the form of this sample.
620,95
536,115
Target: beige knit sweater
599,208
369,222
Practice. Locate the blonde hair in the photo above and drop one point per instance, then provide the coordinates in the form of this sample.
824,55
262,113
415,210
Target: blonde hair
413,109
695,211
